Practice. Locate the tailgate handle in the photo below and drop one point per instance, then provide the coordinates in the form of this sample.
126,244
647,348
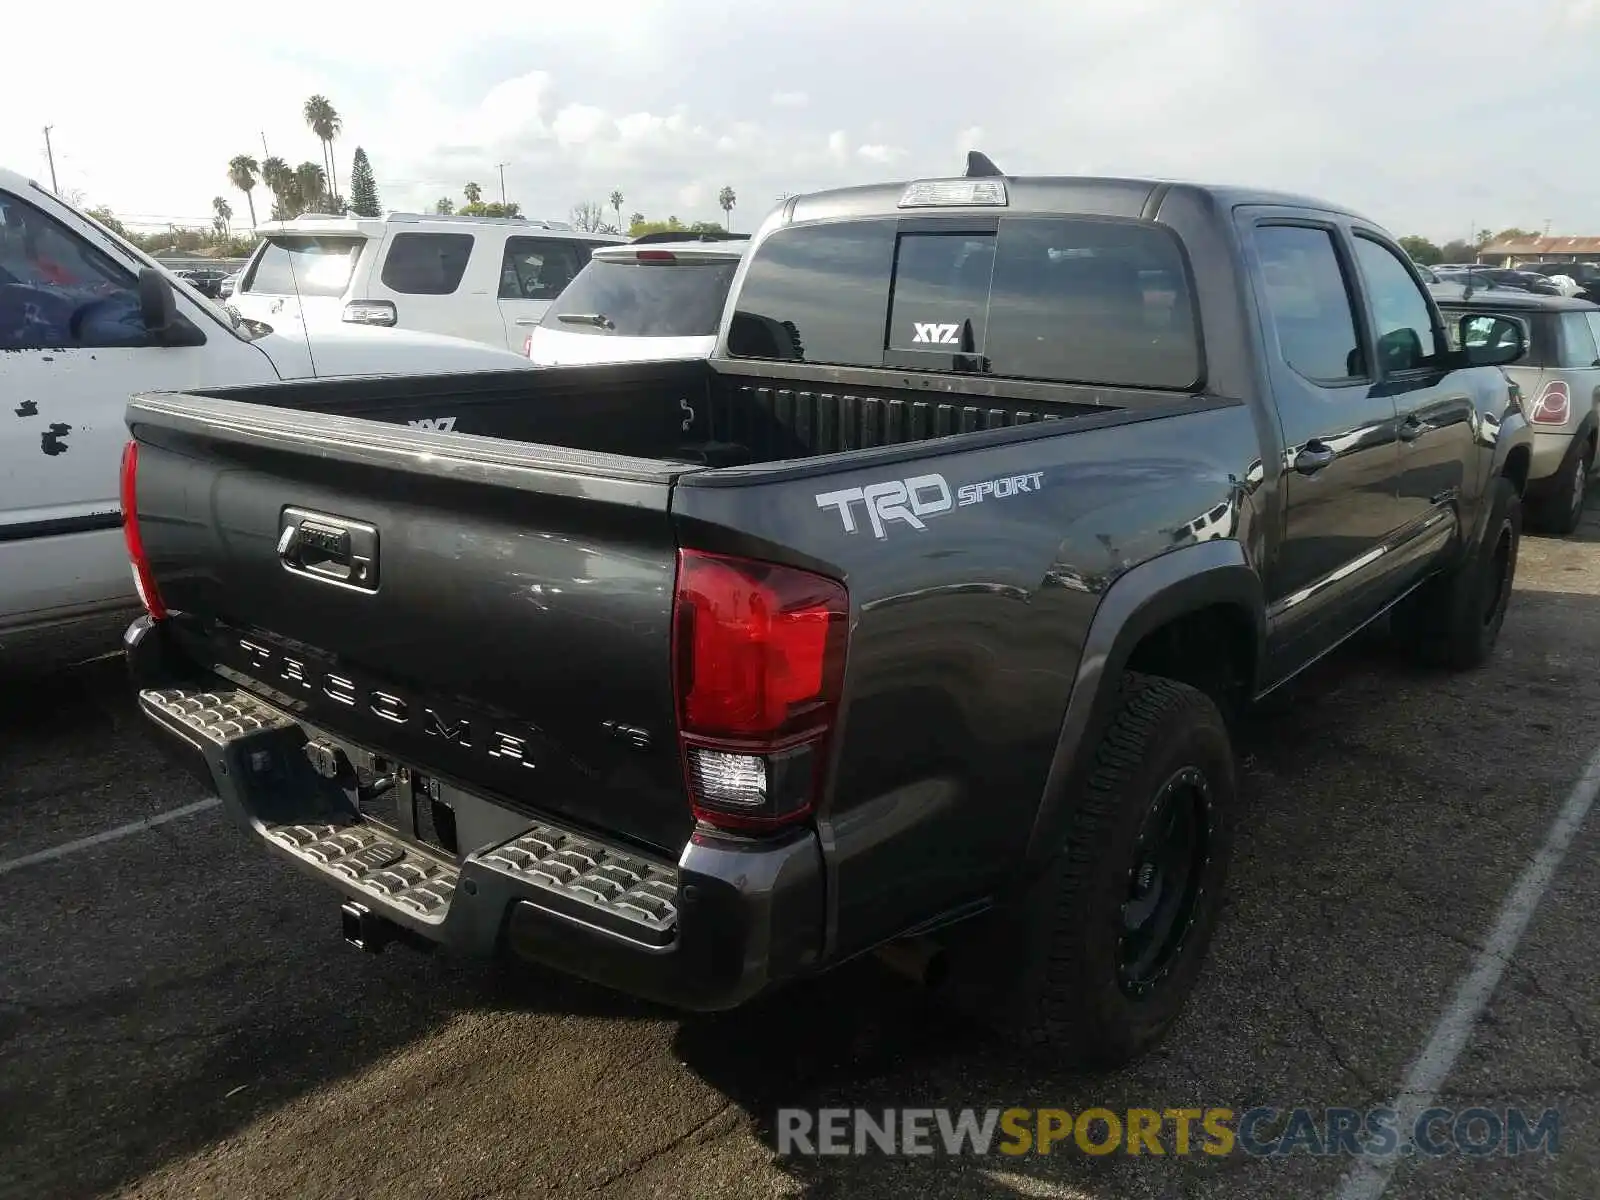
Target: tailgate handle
329,549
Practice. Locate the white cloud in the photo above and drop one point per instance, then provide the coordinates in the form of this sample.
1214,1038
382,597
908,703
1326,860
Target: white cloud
880,154
579,123
790,99
838,146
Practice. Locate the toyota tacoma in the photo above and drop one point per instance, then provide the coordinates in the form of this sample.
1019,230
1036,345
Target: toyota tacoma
915,619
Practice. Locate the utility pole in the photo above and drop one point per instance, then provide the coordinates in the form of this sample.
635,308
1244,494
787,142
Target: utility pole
51,155
265,152
502,167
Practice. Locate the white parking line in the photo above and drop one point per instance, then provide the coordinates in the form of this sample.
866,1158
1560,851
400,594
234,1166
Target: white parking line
1368,1179
110,835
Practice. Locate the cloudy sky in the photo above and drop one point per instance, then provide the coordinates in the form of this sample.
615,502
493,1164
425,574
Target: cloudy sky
1431,116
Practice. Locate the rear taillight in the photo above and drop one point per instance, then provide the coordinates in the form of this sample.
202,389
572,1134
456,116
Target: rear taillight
758,655
144,579
1554,405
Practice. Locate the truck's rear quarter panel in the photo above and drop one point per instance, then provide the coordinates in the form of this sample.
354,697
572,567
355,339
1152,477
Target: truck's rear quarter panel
966,632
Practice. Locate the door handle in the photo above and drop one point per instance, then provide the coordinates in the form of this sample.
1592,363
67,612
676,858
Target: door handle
1411,429
1313,458
526,321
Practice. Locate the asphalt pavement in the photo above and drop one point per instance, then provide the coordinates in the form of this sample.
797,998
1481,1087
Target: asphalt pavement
180,1018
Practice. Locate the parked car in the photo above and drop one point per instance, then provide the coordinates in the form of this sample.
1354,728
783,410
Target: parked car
225,288
206,280
1585,275
85,320
1559,378
914,616
1500,278
489,279
634,303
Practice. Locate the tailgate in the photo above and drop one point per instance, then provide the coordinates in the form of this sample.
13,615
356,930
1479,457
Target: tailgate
494,614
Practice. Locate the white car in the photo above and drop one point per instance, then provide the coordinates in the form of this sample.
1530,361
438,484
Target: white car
639,303
488,279
85,321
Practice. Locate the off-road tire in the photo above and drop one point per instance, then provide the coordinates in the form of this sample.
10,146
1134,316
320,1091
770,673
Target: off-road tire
1047,965
1454,620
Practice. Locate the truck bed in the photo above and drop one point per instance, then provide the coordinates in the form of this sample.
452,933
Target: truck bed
676,413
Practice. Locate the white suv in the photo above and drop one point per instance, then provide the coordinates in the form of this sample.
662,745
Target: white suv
489,279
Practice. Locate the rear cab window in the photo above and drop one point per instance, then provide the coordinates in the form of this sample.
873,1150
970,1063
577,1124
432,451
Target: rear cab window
304,265
645,299
1058,299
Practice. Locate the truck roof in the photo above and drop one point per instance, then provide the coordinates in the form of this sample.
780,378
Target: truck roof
1094,195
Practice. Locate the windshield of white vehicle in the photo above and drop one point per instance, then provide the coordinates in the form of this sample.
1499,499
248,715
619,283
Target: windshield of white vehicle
303,266
652,299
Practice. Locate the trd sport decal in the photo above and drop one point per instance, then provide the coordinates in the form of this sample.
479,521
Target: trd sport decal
911,500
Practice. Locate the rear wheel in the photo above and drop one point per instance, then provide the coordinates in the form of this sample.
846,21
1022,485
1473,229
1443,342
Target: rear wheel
1454,620
1561,510
1096,962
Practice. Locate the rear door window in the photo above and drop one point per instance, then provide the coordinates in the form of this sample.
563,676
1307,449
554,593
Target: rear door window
426,264
304,266
644,299
1097,302
541,268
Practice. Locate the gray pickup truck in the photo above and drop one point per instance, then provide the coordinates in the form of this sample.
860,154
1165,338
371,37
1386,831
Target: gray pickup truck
914,620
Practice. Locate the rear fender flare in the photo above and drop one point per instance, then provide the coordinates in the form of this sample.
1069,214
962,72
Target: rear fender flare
1138,602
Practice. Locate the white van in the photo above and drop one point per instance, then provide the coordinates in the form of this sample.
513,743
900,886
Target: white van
85,321
489,279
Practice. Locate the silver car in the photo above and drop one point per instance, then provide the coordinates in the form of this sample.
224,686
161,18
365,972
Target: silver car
1560,384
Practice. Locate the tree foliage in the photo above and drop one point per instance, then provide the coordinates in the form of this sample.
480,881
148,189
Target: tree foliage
493,208
590,217
640,226
363,187
1421,250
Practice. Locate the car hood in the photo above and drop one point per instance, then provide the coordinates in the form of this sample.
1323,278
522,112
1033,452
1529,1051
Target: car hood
371,350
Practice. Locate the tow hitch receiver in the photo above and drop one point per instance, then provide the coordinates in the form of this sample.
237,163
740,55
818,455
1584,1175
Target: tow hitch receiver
364,928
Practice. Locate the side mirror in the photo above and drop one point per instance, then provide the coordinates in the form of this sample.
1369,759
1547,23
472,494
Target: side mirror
157,305
1489,341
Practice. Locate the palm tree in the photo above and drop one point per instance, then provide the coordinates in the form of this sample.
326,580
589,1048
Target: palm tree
224,214
325,122
616,207
726,200
474,193
312,185
242,172
275,173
